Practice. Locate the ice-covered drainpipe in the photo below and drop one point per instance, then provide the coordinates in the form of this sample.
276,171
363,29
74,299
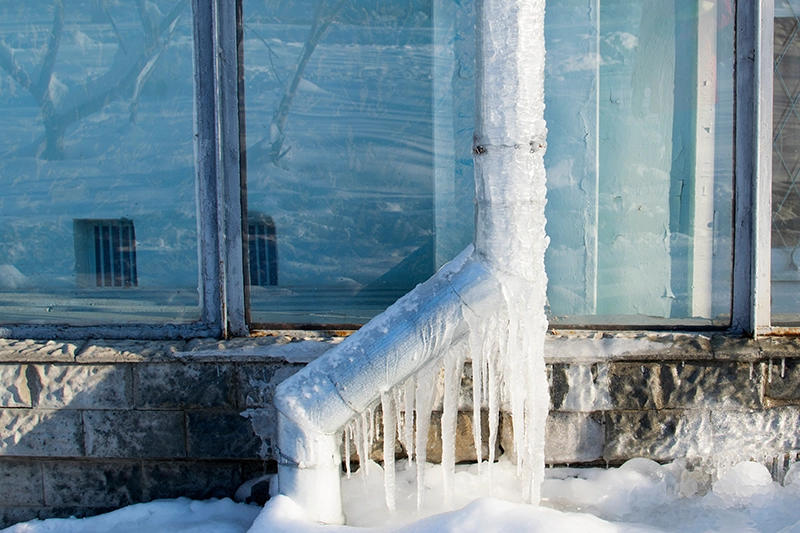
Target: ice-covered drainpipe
505,269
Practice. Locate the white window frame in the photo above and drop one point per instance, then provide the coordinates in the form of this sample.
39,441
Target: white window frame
222,274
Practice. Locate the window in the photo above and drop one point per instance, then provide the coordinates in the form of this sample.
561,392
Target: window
340,132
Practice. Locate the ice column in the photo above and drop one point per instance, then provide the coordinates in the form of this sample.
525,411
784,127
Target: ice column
510,199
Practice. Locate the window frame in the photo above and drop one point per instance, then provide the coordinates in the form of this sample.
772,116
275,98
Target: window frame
221,198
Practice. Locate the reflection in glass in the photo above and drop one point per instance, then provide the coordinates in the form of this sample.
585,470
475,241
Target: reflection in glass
358,148
786,166
97,175
639,97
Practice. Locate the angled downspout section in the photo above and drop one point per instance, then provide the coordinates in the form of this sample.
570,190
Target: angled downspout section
314,404
504,270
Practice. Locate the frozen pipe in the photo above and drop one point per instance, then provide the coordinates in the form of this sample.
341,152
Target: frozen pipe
314,404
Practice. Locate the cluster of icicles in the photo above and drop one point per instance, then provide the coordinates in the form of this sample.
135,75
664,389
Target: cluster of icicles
508,370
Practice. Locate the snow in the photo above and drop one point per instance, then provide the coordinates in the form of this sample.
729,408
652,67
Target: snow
640,496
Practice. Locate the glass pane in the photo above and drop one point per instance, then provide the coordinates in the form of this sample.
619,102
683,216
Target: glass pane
639,97
97,175
786,166
359,119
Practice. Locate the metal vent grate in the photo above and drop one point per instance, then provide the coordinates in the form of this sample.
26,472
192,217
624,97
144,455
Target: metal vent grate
786,147
105,253
262,242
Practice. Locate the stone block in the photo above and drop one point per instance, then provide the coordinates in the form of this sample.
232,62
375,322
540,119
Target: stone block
16,514
21,483
120,351
14,391
185,386
634,385
24,432
58,386
155,434
559,385
256,382
30,351
581,387
574,437
659,435
92,484
756,433
694,385
221,434
779,347
725,347
783,380
198,480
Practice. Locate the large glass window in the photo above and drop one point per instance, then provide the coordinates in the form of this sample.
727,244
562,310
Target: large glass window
97,165
639,98
359,118
786,165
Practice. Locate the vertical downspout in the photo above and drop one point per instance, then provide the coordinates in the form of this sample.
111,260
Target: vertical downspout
505,271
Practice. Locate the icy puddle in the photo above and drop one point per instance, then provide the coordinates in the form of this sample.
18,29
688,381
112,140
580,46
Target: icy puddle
639,496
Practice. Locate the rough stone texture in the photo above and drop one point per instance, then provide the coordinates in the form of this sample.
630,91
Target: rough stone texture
184,386
191,479
13,515
40,433
153,434
779,347
256,382
30,351
574,437
559,385
783,380
740,349
587,388
14,391
709,385
756,433
635,385
61,386
92,484
659,435
21,484
218,434
118,351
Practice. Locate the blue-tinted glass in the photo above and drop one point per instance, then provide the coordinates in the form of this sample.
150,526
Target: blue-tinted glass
97,167
358,142
786,166
639,97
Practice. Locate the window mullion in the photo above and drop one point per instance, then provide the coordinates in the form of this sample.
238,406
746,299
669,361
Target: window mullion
751,279
207,164
230,207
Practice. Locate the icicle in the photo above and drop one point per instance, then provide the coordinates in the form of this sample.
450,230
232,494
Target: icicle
494,409
409,399
477,341
752,371
783,367
359,442
347,432
769,372
453,368
389,436
422,411
366,444
397,394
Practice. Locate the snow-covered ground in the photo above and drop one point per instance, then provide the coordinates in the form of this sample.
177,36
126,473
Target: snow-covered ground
639,496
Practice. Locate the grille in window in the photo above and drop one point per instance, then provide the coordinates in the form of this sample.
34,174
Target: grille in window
262,242
105,253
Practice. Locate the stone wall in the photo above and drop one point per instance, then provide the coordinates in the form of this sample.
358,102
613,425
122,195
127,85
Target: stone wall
90,426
